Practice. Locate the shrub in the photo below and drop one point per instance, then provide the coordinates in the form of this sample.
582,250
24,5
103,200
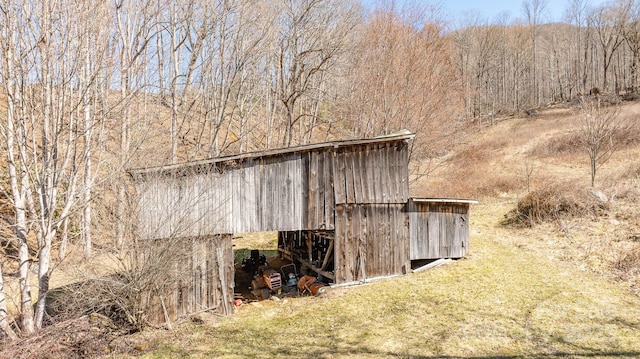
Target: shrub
554,202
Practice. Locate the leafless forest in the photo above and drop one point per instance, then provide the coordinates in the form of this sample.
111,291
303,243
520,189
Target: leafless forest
90,88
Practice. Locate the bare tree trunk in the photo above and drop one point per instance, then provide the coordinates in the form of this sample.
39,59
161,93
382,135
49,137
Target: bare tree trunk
133,21
64,240
5,326
88,139
533,10
18,183
174,61
44,274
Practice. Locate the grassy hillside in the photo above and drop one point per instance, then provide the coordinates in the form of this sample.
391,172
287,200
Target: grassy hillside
502,301
535,160
564,287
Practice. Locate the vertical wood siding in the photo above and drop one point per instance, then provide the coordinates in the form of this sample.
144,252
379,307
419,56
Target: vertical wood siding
202,278
319,209
294,191
374,241
438,230
375,173
255,195
371,229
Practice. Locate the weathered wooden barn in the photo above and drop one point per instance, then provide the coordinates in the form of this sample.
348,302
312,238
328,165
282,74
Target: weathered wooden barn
341,208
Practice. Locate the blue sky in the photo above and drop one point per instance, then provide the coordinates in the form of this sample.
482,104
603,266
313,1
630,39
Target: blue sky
489,9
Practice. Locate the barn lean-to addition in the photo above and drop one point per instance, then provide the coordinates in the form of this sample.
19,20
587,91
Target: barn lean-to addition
341,208
439,227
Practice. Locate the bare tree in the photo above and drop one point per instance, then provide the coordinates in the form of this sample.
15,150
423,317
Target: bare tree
608,26
5,325
577,13
632,37
599,132
402,77
48,87
312,35
485,54
229,75
12,132
534,11
91,21
134,24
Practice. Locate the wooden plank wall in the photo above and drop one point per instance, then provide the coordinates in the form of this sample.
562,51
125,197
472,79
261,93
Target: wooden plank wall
201,277
372,173
438,230
372,240
320,209
255,195
292,191
371,229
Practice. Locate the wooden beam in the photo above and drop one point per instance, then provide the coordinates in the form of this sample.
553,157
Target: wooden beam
317,270
433,264
327,256
286,254
226,310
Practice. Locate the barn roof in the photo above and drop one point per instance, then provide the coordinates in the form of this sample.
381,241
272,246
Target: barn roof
395,137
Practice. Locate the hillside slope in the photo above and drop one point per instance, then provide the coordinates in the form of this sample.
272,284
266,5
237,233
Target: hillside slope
566,287
537,162
501,301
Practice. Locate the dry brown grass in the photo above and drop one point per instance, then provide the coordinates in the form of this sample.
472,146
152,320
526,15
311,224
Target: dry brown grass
567,143
626,267
470,172
571,224
625,185
82,337
503,300
554,202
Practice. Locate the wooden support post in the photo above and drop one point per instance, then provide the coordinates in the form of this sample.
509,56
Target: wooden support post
167,318
328,255
223,281
309,246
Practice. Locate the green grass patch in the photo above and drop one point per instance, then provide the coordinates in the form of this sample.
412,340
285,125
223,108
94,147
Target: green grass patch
501,301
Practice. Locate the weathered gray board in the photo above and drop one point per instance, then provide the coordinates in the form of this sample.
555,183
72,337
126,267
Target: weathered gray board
374,173
374,241
439,228
284,192
200,277
253,195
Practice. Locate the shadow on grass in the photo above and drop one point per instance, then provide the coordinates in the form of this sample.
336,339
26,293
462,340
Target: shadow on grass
324,352
542,356
328,345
